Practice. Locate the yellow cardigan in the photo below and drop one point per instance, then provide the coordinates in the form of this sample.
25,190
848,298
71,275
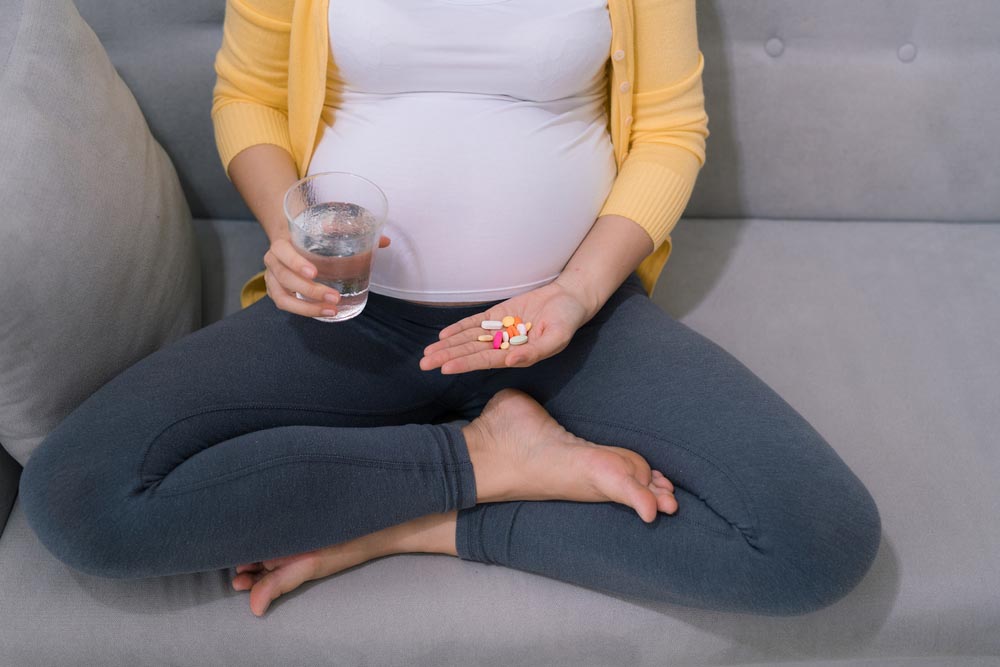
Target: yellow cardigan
271,82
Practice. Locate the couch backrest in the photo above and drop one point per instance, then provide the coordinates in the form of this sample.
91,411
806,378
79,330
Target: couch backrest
854,109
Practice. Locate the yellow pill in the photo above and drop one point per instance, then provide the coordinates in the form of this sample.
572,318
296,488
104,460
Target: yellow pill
527,326
504,346
508,321
486,338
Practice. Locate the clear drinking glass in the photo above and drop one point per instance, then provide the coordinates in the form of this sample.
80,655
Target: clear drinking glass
336,219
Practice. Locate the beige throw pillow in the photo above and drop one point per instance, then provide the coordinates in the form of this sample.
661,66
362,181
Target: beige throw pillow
98,266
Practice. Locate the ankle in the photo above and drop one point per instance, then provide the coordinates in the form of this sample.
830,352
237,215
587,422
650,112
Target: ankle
433,533
485,466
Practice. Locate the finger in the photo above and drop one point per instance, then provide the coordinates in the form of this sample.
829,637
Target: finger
454,351
461,338
307,288
287,301
286,253
277,583
536,349
470,322
477,361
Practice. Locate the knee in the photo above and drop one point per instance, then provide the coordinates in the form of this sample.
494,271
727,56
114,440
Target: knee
76,514
816,562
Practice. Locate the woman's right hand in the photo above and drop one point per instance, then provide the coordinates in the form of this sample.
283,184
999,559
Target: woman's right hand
288,272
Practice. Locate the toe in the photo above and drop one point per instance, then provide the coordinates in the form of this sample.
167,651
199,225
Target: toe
660,480
276,583
665,500
642,500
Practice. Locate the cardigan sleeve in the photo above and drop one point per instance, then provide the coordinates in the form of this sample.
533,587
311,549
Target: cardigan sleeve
250,97
666,142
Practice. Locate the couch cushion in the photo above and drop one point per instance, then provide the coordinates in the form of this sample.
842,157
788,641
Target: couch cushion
231,251
10,474
843,103
97,260
851,109
880,334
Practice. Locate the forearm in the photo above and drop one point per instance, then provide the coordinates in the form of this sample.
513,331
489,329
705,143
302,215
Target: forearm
262,174
611,251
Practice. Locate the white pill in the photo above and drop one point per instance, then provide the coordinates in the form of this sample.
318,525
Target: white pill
506,337
492,325
521,329
518,340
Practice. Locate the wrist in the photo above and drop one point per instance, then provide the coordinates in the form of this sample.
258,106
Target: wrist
275,232
575,283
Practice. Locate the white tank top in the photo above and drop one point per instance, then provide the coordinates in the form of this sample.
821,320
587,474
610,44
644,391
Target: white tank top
483,121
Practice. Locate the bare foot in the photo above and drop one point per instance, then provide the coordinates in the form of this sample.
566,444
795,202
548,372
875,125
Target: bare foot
520,452
267,580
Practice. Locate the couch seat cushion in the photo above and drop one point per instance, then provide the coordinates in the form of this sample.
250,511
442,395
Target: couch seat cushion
883,335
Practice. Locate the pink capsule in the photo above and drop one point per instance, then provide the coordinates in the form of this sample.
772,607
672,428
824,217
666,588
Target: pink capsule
497,340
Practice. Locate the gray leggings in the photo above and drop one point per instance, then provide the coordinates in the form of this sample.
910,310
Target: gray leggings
268,433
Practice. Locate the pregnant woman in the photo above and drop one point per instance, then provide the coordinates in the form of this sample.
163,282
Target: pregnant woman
535,156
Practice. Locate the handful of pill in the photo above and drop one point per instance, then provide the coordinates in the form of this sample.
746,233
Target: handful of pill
506,332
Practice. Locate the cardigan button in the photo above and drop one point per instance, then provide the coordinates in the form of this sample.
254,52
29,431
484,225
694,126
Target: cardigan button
618,55
625,86
628,120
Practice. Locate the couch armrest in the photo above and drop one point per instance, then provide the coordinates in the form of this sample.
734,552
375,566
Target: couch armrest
10,473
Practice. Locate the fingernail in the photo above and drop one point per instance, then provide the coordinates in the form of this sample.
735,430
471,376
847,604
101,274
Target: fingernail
332,298
329,313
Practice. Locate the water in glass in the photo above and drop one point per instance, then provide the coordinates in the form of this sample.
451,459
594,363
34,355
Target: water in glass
338,238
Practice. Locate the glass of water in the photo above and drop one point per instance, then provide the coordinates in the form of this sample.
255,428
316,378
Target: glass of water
336,219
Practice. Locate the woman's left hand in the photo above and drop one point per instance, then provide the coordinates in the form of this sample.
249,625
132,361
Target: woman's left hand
555,314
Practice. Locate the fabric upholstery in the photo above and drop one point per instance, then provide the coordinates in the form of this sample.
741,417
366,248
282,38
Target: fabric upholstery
874,331
878,328
801,134
10,472
98,265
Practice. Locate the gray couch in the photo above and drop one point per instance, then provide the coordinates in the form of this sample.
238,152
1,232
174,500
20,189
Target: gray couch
842,242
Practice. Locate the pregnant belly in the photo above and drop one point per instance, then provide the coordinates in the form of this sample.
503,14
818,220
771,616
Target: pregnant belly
488,196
